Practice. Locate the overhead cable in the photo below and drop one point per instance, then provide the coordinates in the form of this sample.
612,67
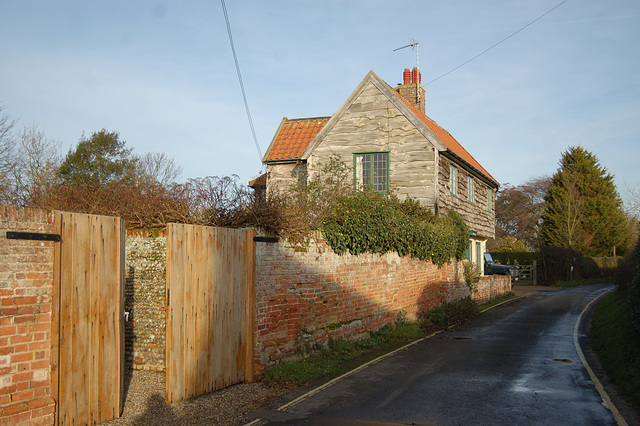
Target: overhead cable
244,95
498,43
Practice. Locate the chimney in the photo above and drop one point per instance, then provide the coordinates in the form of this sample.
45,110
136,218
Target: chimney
412,89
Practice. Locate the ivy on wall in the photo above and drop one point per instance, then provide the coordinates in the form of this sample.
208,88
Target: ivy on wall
379,223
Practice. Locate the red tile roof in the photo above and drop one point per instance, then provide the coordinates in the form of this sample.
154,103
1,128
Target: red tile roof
259,181
293,137
452,144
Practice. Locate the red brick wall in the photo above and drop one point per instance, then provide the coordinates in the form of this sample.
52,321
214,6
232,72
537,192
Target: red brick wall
26,278
307,296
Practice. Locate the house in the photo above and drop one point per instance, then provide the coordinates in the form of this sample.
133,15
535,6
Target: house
393,146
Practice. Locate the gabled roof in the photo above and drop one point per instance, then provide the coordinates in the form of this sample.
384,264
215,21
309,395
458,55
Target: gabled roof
292,137
296,139
451,143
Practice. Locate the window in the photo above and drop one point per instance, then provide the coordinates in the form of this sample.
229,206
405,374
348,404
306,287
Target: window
453,180
489,196
470,189
372,171
468,252
478,253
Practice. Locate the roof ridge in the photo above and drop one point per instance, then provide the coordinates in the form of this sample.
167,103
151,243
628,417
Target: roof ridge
426,119
309,118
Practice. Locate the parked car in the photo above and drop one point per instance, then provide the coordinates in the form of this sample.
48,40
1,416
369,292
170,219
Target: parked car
492,268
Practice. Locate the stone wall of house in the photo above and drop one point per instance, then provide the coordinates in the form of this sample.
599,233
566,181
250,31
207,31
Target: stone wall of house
306,296
26,285
480,215
145,300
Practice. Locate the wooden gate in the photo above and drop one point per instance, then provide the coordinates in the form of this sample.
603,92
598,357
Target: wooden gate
210,282
87,357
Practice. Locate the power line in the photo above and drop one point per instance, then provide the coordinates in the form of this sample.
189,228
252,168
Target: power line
498,43
244,95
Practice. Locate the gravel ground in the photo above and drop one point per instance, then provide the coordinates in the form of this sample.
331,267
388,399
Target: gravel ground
145,403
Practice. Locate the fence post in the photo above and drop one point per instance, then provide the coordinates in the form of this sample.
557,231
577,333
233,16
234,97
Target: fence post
534,272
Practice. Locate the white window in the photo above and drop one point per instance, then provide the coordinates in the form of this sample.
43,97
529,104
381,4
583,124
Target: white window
453,180
372,171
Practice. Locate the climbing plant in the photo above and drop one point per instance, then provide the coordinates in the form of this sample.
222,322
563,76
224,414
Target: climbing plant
379,223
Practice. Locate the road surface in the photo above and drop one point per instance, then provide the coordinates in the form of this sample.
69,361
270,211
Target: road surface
517,364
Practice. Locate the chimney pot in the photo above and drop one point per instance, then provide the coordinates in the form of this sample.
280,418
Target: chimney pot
407,76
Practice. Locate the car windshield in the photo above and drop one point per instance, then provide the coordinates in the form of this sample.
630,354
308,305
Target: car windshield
488,258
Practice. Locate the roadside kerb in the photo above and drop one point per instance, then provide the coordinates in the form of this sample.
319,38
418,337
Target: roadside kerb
607,400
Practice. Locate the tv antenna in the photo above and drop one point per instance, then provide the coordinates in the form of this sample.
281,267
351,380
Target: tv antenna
412,45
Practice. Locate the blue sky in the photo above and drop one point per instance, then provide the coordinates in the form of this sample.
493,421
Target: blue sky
162,74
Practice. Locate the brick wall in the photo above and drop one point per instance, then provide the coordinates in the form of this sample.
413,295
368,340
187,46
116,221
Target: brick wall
303,297
145,300
308,296
491,286
26,280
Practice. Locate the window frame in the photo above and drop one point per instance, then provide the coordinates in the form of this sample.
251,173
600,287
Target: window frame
453,179
358,184
471,185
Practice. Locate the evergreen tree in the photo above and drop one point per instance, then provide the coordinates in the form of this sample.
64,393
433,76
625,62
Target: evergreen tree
583,209
102,159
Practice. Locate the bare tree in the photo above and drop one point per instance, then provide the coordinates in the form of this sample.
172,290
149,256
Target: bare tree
217,201
7,155
37,164
519,210
633,201
156,167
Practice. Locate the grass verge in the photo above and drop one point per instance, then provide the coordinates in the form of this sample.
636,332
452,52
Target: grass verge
341,356
617,344
497,301
585,281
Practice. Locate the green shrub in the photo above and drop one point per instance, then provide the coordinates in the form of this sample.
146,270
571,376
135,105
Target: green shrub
511,258
448,314
379,223
617,343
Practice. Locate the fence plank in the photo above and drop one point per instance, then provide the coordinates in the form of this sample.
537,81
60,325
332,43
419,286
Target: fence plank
175,302
207,344
90,329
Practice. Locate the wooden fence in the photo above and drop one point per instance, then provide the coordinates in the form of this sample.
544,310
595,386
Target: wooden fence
528,274
87,360
210,293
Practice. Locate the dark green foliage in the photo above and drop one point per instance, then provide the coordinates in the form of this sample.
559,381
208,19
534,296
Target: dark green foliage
617,343
512,258
448,314
102,159
554,264
633,291
379,223
583,210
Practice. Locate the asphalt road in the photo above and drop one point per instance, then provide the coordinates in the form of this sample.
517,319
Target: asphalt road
516,365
